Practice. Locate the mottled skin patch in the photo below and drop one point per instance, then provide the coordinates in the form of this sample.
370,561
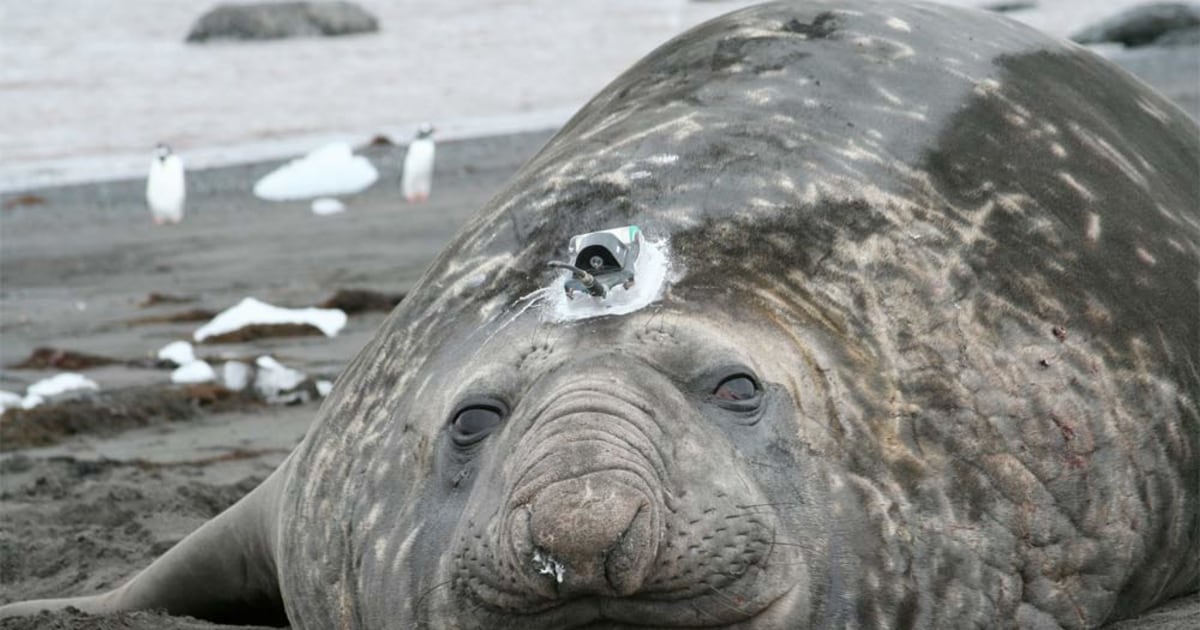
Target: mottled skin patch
979,384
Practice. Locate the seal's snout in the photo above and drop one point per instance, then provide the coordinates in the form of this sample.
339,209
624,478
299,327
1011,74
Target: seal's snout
597,532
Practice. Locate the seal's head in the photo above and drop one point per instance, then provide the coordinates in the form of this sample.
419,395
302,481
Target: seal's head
621,469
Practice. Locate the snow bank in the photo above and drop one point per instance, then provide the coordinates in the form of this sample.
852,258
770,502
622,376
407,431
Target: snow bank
251,311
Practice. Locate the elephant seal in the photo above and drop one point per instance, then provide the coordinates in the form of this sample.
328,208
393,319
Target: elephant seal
921,349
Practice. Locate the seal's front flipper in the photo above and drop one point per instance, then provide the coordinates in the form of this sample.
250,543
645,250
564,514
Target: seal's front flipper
223,572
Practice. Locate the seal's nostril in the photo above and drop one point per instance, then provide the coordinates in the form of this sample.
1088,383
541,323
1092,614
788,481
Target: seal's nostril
597,531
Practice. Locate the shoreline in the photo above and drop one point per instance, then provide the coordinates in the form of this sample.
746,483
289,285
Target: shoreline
38,175
1172,71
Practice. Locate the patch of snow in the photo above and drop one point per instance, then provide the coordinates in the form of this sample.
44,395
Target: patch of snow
326,206
60,384
251,311
194,372
235,375
177,352
277,384
324,387
273,375
9,400
37,393
330,170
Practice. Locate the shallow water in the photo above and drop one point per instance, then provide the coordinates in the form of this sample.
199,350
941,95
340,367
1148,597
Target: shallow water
89,87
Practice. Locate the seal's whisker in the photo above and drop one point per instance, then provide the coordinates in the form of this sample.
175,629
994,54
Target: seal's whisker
429,591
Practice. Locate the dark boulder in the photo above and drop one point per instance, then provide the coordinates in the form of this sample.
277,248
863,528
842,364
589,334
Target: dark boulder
282,20
1180,37
1142,25
1010,6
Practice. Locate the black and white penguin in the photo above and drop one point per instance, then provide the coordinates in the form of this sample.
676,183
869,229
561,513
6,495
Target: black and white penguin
417,180
165,188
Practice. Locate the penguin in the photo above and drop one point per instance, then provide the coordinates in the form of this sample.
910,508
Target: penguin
165,189
417,180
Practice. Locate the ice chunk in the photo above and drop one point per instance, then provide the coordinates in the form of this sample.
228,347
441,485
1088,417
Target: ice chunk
177,352
280,385
37,393
9,400
60,384
327,205
235,375
194,372
330,170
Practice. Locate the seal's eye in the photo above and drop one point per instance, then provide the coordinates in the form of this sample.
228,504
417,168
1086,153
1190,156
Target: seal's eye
740,392
475,420
736,388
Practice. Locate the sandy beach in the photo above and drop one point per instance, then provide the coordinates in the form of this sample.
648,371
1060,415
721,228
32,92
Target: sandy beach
85,511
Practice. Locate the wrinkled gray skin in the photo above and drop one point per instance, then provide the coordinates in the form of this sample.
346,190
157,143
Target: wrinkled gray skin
962,260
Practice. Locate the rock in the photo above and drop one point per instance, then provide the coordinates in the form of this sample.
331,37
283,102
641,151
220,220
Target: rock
282,20
353,301
1009,6
1180,37
1142,25
44,358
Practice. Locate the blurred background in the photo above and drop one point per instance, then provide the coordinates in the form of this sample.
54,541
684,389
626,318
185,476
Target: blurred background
89,87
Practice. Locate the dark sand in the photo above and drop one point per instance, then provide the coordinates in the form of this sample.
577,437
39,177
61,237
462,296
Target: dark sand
89,512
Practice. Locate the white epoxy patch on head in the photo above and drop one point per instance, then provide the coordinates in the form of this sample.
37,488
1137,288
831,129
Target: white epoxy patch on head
652,272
